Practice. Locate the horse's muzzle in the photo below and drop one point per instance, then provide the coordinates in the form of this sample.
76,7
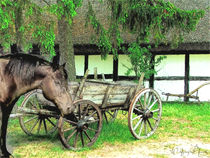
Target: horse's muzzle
68,110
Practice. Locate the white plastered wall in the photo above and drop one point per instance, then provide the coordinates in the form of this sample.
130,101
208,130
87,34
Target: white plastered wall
173,65
79,64
103,66
200,66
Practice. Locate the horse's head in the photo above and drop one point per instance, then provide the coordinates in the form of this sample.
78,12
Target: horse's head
55,88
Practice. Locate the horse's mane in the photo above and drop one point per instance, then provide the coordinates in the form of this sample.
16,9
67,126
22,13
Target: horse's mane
23,65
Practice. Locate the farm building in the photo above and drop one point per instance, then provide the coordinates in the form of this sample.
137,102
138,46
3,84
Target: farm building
184,69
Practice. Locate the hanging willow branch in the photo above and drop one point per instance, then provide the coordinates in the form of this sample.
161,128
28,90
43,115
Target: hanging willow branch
103,39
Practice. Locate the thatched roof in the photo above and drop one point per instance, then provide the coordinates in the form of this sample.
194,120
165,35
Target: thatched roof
82,35
202,32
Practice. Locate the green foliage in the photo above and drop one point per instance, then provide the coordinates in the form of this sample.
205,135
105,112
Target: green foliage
20,100
66,8
103,40
141,61
151,21
33,22
6,21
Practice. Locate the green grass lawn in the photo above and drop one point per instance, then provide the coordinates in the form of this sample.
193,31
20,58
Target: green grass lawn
178,120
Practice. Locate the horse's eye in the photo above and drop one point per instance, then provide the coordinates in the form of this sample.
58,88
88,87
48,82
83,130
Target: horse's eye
59,76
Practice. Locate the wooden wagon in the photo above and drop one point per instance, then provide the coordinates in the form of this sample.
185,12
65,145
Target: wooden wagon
93,100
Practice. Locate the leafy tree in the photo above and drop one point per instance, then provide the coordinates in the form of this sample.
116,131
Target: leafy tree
151,21
25,22
141,61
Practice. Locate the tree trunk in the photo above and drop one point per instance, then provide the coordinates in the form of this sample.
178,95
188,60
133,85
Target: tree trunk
18,23
66,47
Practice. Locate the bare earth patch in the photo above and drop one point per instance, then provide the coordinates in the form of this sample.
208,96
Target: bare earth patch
172,148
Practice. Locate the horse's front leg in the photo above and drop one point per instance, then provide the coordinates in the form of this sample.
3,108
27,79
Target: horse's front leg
4,116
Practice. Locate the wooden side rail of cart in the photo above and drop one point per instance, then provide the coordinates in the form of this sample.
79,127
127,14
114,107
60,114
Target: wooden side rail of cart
105,94
189,95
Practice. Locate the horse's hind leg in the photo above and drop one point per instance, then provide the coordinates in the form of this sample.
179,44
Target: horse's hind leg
4,116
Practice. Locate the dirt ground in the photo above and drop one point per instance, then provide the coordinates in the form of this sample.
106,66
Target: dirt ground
172,148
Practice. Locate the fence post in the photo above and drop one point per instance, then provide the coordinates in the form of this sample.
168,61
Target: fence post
186,78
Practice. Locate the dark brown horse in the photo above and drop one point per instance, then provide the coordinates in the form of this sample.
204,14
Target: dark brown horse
20,73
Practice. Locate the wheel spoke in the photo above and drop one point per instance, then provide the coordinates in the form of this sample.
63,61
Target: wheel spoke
136,117
138,124
145,101
150,99
71,122
156,119
145,127
45,126
32,104
40,123
90,116
92,121
150,124
88,136
34,125
50,122
82,139
140,130
31,119
79,111
86,112
69,137
139,110
141,105
153,104
69,129
92,129
75,140
38,104
157,110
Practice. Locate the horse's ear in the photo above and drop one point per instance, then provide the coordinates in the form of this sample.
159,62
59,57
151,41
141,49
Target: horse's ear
56,60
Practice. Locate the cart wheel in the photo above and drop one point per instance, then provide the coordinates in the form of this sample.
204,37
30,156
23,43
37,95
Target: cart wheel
144,113
110,115
36,124
82,127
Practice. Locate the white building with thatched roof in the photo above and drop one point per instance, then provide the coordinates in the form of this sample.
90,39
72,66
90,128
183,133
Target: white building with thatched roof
185,68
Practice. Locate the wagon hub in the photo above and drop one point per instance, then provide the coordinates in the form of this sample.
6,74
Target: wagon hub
147,114
81,125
